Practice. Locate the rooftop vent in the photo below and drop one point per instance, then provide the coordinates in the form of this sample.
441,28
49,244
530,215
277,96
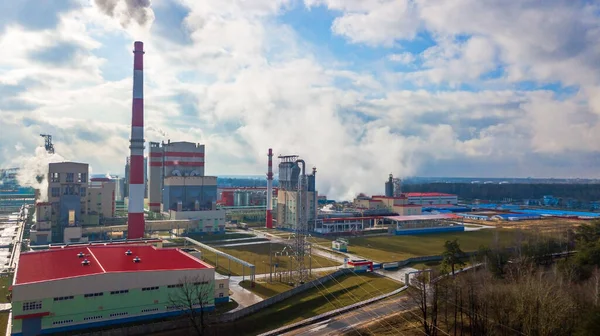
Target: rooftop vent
137,259
85,262
128,252
80,255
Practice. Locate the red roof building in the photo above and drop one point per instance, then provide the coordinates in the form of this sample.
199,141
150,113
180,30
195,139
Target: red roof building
67,262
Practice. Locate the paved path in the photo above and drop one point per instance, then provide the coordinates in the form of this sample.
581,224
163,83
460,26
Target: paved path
5,306
477,227
241,295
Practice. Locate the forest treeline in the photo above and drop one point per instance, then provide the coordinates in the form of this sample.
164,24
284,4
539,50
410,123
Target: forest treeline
516,191
525,291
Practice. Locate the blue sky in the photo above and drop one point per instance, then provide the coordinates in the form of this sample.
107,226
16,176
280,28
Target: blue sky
359,88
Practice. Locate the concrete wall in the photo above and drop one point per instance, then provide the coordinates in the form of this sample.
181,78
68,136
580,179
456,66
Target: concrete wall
101,198
203,221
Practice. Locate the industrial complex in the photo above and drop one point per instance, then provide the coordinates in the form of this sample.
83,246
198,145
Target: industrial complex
103,251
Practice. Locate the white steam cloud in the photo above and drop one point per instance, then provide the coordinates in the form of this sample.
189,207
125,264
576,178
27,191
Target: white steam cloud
34,171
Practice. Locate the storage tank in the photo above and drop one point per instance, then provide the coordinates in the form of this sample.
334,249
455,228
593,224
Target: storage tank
247,195
237,198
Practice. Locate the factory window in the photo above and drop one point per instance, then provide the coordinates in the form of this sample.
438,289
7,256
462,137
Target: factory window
201,283
221,286
149,288
91,318
93,295
32,305
62,322
55,192
119,314
63,298
149,310
124,291
82,177
175,286
55,177
220,295
70,177
82,191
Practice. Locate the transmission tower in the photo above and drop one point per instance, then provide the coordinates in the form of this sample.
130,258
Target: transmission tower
301,232
48,143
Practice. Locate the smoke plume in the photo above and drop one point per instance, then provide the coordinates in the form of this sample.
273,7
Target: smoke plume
34,171
158,130
125,11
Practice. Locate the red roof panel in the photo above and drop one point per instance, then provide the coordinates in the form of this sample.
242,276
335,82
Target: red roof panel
54,264
64,263
427,194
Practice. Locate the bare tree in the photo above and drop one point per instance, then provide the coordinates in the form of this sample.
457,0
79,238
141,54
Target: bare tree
192,296
425,295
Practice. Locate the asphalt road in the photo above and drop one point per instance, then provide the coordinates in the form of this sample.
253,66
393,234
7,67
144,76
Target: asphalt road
346,322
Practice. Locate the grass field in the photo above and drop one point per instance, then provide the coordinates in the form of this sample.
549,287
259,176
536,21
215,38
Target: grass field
394,248
5,282
265,289
257,255
3,322
346,290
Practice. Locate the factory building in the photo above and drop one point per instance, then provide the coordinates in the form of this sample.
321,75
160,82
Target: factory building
413,225
73,202
399,205
288,195
178,186
88,286
431,198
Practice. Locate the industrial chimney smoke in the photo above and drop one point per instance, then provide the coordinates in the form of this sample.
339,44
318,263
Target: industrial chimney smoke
135,218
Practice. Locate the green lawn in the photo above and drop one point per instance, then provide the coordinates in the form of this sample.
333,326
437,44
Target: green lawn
265,289
221,308
3,321
394,248
437,265
257,255
5,282
346,290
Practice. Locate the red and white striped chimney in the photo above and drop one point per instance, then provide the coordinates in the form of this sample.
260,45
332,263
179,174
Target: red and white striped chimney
269,224
135,218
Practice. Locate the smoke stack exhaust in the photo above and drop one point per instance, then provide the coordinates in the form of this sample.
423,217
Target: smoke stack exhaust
135,218
269,224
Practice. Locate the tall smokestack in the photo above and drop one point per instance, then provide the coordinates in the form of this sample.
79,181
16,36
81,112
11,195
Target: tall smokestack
269,223
135,218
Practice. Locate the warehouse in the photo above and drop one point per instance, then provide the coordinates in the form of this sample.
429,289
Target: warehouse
411,225
87,286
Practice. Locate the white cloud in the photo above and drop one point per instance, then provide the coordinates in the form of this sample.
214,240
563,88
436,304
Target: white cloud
242,82
404,58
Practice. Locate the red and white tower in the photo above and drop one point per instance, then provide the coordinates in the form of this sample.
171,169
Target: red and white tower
269,224
135,218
